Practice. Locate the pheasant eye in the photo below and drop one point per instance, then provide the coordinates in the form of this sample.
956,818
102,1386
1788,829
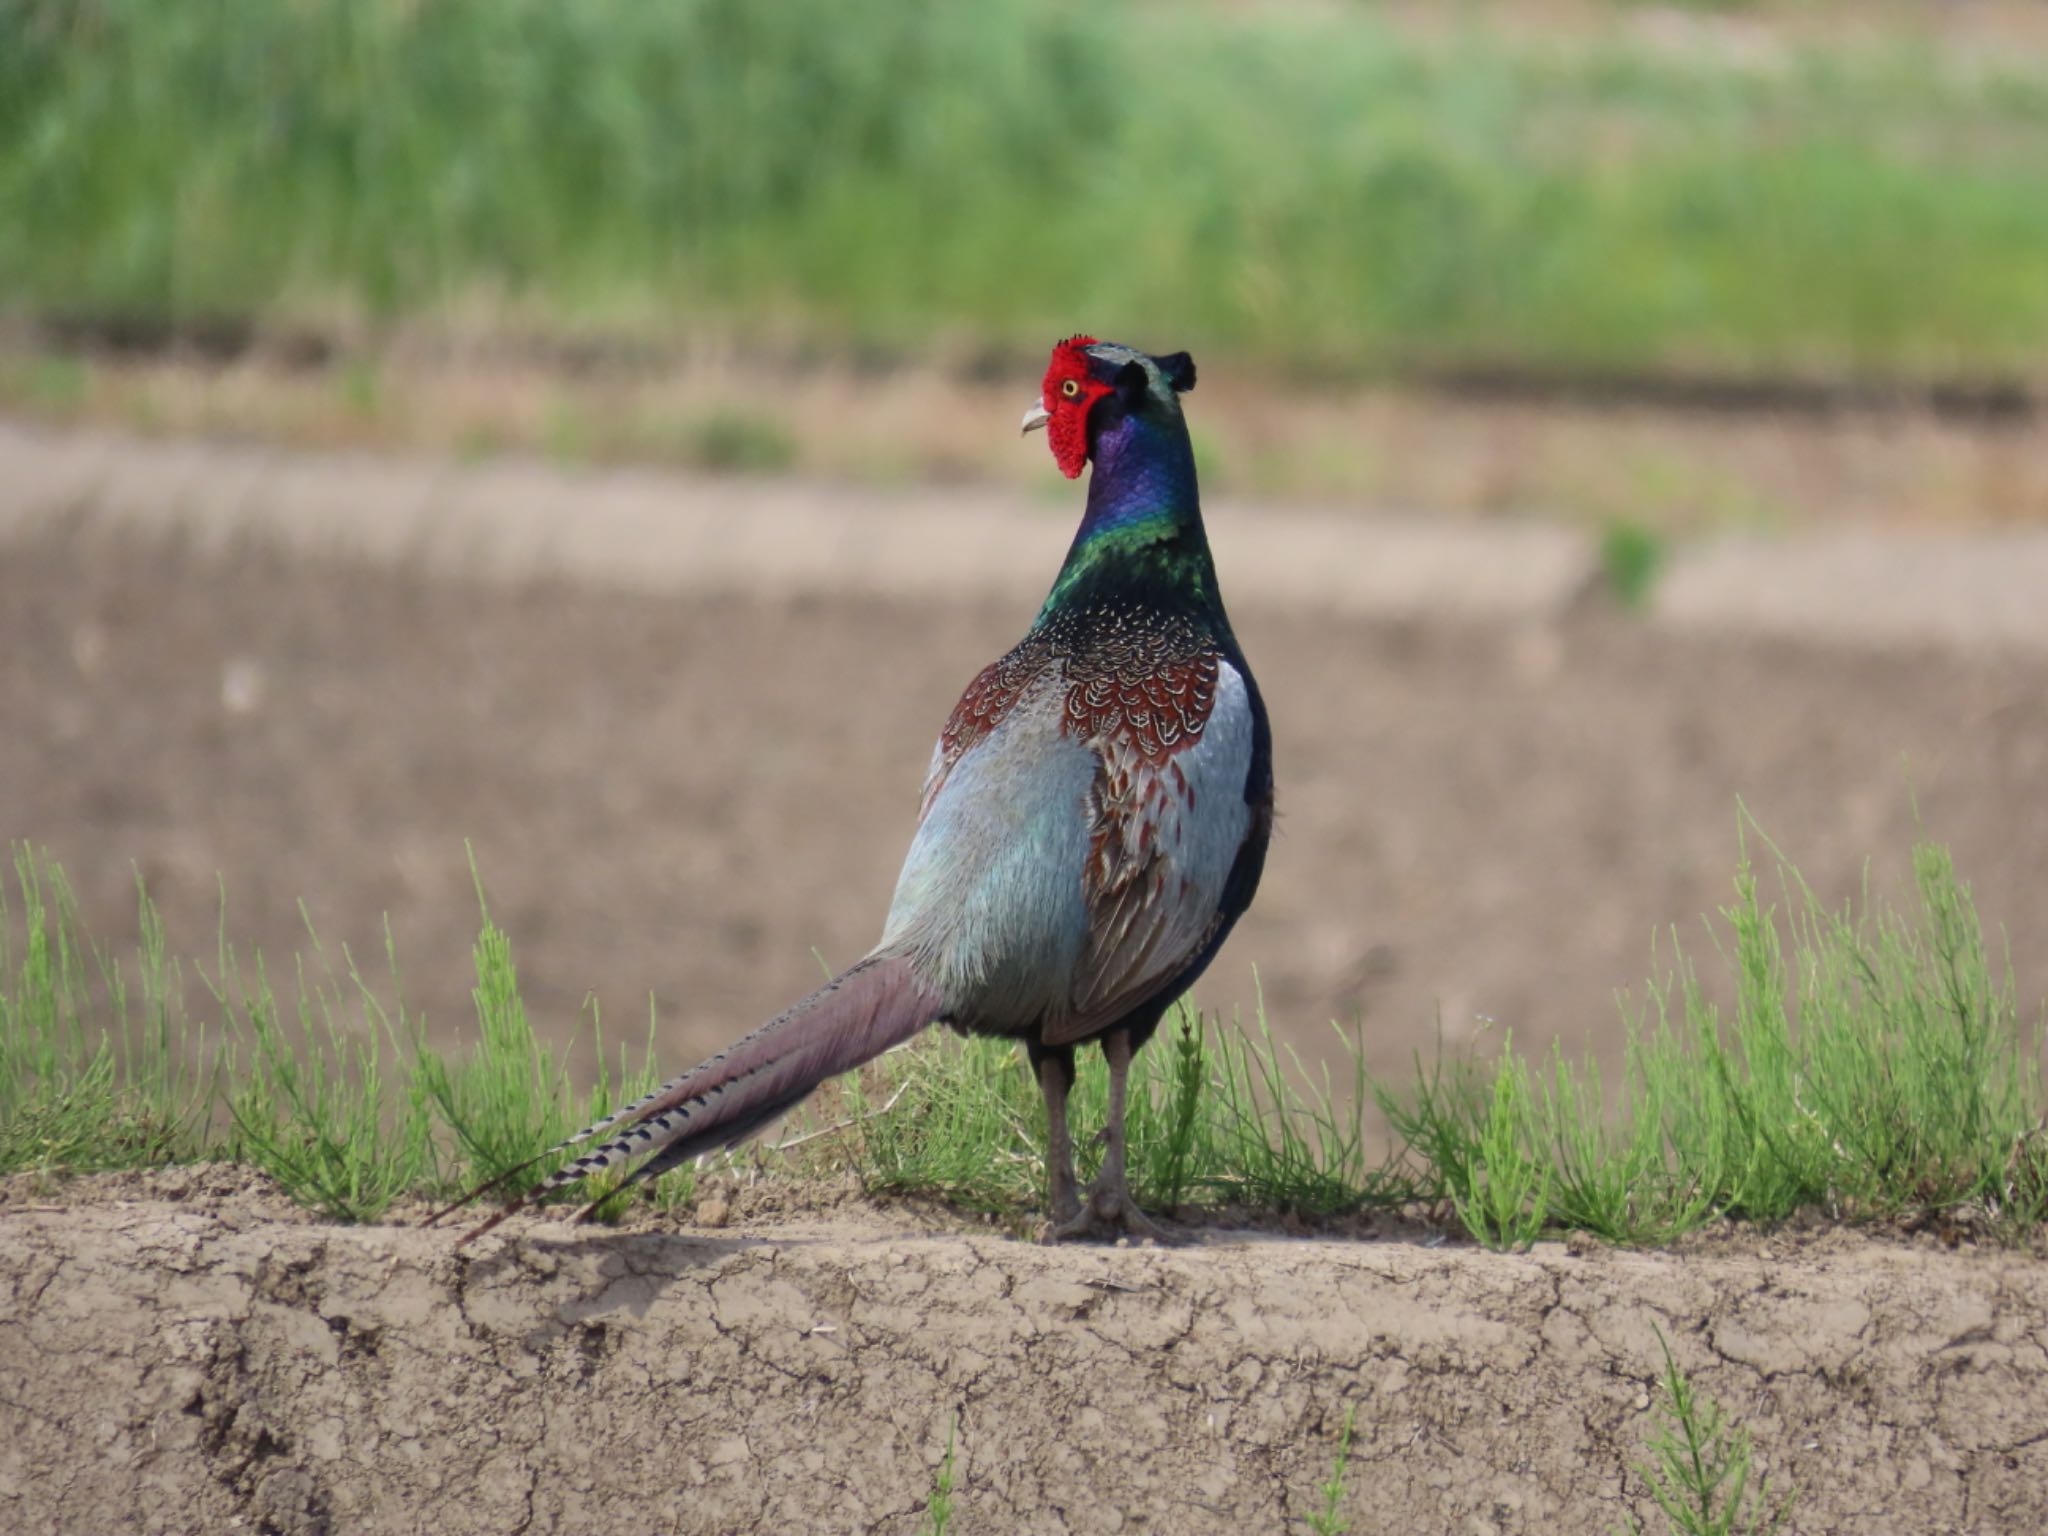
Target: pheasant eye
1071,388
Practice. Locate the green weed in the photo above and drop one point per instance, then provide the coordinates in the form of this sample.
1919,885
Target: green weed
360,385
735,442
310,1104
1700,1467
1281,1139
508,1099
1329,1518
938,1511
48,383
1503,1195
1216,1115
1631,558
328,1090
85,1085
1873,1066
1877,1068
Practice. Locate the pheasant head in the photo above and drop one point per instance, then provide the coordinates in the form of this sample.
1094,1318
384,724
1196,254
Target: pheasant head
1090,385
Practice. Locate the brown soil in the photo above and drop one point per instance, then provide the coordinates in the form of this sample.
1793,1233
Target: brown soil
179,1354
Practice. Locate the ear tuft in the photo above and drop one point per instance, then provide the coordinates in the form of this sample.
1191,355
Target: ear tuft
1132,382
1180,372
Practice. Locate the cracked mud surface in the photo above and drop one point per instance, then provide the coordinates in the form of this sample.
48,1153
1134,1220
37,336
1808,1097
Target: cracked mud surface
181,1352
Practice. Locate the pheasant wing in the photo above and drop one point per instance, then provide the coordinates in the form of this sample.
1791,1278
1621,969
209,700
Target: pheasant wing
1167,817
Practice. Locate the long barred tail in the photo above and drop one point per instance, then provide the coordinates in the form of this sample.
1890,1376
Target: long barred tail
596,1127
860,1013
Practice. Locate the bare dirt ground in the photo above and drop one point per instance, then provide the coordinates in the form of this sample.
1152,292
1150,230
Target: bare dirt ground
183,1353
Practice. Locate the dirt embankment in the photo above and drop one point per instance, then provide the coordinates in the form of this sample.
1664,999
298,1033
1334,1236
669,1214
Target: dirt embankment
213,1362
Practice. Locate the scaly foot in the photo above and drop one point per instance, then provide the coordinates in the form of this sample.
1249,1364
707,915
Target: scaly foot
1064,1208
1110,1212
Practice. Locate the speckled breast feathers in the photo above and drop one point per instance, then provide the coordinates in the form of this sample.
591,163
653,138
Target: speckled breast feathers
1146,729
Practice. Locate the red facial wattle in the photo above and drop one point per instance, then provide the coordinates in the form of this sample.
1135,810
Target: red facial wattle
1069,394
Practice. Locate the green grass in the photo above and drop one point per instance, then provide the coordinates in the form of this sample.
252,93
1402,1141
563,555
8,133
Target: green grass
938,1510
1311,188
334,1093
1217,1115
1700,1465
75,1094
1877,1069
734,442
1328,1517
1874,1066
1632,556
307,1099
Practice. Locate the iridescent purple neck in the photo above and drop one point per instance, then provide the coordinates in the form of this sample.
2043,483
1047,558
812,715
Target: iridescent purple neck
1141,537
1144,469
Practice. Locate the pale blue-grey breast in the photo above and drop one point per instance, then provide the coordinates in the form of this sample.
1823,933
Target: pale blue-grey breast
997,901
989,901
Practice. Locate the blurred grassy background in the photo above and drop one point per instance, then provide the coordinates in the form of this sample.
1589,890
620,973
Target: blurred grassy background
1315,189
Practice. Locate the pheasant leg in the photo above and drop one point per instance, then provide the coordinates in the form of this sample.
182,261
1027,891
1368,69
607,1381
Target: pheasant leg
1110,1206
1063,1203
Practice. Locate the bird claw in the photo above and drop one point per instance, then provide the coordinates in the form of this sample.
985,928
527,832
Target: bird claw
1107,1213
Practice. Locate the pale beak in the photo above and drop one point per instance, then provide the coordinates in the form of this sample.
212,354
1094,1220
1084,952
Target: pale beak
1037,416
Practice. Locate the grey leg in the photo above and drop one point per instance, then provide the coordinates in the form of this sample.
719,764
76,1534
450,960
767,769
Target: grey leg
1109,1198
1063,1203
